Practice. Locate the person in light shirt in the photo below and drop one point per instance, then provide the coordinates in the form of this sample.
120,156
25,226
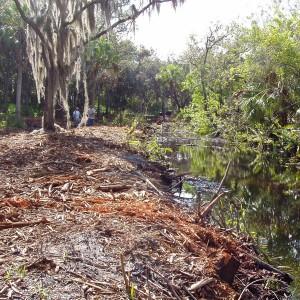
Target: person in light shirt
91,116
76,116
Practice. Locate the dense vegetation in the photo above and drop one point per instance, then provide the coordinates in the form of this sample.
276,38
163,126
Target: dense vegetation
239,82
245,83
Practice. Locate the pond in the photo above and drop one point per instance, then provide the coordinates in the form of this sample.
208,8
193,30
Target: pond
263,197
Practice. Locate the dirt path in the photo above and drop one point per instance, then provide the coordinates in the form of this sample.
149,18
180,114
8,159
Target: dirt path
88,207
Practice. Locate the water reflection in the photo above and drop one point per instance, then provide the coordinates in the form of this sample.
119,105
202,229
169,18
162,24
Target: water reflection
264,200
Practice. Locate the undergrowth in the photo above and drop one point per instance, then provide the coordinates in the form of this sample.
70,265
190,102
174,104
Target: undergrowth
148,145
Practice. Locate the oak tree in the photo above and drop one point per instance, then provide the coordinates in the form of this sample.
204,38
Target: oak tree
57,33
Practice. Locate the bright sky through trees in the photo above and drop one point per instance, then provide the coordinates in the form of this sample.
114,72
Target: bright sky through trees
169,32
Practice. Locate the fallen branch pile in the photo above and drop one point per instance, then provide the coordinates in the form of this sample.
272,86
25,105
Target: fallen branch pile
79,219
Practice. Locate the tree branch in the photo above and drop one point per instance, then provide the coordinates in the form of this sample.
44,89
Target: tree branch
137,13
126,19
30,22
81,10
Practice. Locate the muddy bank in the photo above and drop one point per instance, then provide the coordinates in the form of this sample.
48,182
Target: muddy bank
81,217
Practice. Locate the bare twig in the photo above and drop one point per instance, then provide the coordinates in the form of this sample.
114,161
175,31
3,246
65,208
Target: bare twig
200,284
99,288
169,284
210,206
113,187
59,162
6,225
216,196
92,172
223,179
248,285
189,293
124,275
287,277
149,182
176,184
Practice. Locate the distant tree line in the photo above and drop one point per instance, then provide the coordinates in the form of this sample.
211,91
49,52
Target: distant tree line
120,76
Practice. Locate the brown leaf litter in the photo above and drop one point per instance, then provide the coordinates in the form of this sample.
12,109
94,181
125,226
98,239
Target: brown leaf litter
78,220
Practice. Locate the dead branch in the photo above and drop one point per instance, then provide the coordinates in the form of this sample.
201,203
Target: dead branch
210,206
248,285
149,182
223,179
216,196
126,281
177,184
189,293
92,172
5,225
59,162
200,284
96,287
113,187
170,285
263,265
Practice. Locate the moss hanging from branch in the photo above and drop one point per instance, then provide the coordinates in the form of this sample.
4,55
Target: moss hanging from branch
58,32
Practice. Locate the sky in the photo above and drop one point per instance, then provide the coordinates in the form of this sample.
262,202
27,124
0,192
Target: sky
168,32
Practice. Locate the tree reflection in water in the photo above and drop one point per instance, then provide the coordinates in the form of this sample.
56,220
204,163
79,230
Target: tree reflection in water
264,198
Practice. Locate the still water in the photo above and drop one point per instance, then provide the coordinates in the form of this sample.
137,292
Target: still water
263,197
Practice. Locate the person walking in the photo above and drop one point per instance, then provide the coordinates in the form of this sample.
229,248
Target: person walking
91,116
76,116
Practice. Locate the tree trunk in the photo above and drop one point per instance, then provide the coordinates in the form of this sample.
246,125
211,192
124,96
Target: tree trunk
92,86
163,108
203,83
19,90
92,95
86,101
107,103
98,106
203,76
48,123
176,99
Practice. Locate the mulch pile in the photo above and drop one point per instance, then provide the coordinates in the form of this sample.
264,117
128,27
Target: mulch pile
82,217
